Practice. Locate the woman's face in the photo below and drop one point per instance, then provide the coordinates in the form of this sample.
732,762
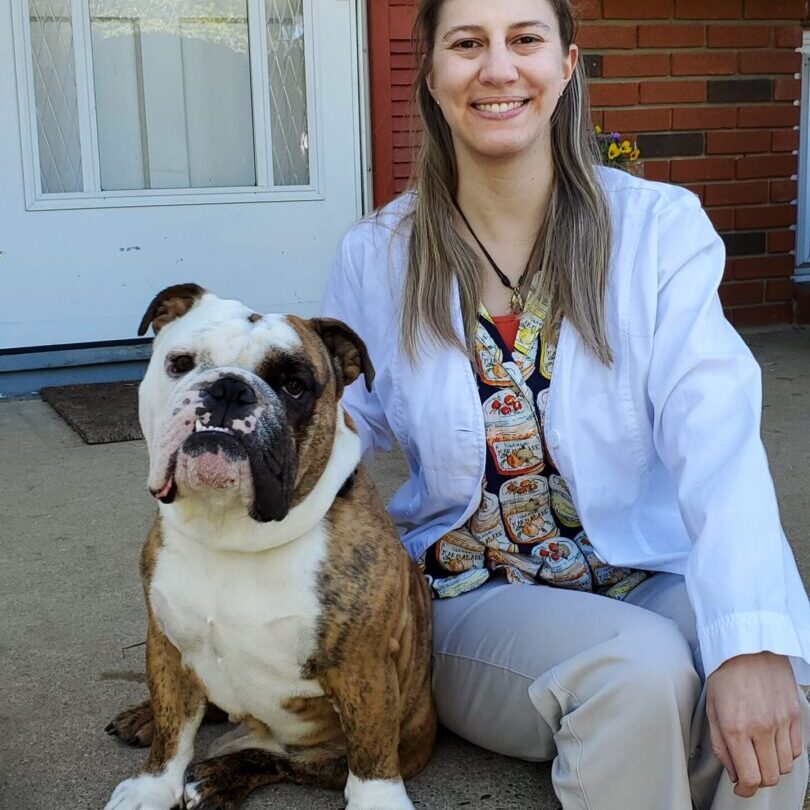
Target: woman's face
498,71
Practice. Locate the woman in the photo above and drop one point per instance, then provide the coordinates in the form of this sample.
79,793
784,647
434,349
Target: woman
551,354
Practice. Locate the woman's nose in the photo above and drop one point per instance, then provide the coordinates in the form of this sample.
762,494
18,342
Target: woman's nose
499,66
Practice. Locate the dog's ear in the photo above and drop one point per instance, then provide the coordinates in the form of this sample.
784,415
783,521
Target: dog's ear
169,304
347,349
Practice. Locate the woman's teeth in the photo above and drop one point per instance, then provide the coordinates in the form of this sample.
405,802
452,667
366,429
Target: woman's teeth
499,108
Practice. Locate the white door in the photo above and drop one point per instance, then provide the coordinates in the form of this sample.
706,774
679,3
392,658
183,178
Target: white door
151,142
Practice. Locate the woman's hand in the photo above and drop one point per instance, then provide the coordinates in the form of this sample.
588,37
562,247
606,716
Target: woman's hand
753,706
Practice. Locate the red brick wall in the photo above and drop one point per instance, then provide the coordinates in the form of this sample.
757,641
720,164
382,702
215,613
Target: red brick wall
709,90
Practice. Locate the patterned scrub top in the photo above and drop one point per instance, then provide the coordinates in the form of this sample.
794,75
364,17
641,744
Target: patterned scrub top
526,527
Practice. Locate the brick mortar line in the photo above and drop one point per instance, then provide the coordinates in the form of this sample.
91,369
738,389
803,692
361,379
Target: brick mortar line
697,105
690,49
609,50
687,77
638,21
690,21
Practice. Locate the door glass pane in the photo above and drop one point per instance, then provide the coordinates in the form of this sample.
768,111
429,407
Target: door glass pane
60,153
288,91
173,100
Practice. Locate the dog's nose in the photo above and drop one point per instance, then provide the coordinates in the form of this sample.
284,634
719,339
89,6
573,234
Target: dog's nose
231,389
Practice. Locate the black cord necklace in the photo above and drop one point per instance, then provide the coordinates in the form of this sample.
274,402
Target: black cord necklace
517,301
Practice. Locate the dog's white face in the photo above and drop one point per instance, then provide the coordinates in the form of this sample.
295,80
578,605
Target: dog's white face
231,404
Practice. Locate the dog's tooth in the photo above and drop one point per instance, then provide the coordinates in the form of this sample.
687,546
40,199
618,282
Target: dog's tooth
198,425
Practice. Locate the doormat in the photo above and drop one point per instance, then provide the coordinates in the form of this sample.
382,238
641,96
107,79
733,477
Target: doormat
101,413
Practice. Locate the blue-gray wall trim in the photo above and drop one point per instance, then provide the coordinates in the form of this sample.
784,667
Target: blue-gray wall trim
27,372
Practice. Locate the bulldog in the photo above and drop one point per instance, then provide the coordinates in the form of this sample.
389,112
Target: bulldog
276,587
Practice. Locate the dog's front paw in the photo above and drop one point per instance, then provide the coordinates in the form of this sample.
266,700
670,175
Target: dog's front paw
376,794
143,793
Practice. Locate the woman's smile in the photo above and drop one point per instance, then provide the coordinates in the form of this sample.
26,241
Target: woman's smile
502,109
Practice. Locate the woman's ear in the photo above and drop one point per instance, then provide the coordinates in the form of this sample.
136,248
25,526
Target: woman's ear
427,62
570,63
431,89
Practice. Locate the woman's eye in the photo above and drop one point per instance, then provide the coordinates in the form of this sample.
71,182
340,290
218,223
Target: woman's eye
466,44
528,39
180,364
293,388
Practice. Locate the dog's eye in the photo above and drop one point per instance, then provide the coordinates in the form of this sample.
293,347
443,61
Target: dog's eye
179,364
293,388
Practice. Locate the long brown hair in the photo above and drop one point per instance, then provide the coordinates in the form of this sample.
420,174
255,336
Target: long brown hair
569,261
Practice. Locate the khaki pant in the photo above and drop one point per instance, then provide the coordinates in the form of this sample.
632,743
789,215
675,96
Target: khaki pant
609,690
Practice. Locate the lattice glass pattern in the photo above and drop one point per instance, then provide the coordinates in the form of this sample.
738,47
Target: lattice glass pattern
57,112
288,91
173,93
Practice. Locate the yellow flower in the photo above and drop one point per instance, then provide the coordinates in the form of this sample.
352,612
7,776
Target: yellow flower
634,155
613,152
598,130
625,148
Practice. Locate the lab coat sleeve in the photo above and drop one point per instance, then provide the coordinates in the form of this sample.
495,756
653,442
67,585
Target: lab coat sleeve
346,299
705,392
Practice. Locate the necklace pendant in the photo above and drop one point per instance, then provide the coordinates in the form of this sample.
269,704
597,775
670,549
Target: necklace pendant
517,302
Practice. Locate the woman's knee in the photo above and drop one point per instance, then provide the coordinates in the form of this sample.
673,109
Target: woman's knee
657,663
645,670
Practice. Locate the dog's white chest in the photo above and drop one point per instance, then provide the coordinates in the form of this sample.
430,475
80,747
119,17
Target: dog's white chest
245,623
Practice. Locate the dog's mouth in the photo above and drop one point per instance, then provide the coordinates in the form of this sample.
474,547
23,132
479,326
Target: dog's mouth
168,492
211,458
199,427
221,459
214,441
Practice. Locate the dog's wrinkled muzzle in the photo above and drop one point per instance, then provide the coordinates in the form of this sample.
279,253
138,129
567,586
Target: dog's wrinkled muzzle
227,436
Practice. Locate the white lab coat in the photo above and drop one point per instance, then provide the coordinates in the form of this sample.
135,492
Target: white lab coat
661,450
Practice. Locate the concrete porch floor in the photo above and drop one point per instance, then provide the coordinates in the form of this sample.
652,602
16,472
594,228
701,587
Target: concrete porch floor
73,518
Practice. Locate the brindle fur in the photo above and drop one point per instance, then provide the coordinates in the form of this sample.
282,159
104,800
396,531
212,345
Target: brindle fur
223,783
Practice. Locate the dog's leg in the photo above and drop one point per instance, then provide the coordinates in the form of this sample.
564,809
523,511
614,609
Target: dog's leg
223,783
366,696
178,704
133,726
